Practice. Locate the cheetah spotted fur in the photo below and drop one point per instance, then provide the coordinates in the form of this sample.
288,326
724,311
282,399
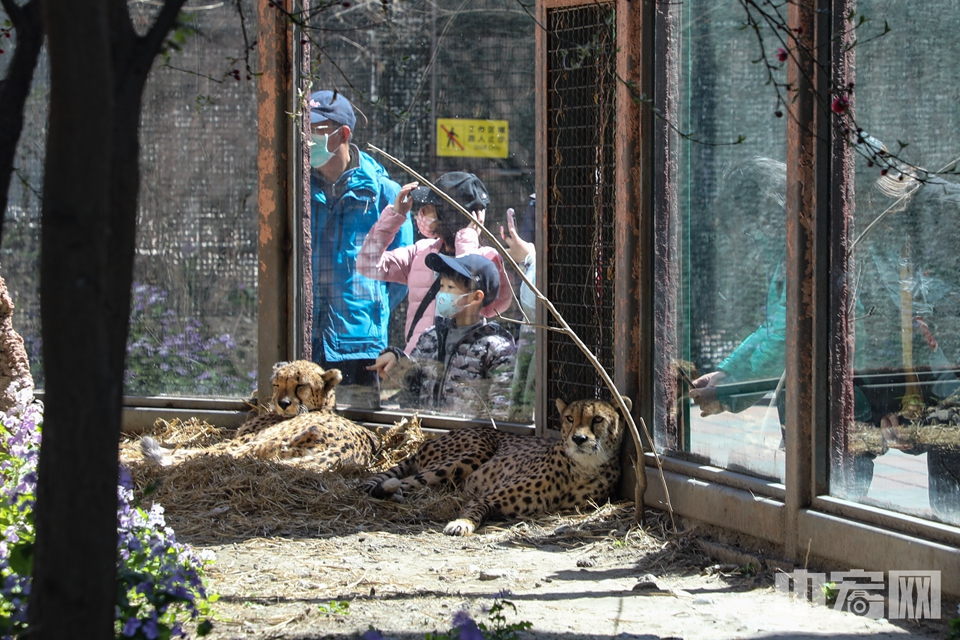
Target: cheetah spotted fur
303,424
513,476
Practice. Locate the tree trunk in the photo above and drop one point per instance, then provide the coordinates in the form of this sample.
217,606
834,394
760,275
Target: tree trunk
15,88
98,68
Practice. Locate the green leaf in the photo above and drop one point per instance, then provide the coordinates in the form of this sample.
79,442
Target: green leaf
21,558
204,628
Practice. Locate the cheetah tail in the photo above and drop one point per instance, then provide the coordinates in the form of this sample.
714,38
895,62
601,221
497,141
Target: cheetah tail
151,450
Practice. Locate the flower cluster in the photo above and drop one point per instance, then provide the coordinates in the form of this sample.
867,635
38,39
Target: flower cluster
159,582
19,451
167,354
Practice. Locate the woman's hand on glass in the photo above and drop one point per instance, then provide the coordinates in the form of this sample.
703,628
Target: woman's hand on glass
517,247
704,393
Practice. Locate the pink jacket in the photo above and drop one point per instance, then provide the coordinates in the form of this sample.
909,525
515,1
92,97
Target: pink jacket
406,265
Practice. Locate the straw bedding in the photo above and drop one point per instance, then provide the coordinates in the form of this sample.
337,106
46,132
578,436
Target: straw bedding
211,496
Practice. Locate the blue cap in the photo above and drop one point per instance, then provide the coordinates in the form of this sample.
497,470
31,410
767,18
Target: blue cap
482,271
331,105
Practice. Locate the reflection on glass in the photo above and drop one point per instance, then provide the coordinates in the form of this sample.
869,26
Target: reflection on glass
906,271
724,407
193,323
427,91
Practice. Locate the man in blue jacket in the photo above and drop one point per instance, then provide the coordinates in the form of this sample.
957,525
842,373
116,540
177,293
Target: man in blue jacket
348,190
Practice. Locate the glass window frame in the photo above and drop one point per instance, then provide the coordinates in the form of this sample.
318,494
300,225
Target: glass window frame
798,514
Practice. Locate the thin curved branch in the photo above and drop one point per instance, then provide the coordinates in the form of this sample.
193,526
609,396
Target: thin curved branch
565,328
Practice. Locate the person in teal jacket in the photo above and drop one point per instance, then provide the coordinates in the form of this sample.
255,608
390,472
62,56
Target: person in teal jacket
755,367
348,190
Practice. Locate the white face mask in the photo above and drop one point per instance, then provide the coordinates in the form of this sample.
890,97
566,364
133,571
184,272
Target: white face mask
319,155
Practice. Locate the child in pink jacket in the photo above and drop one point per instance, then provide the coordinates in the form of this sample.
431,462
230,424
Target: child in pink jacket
446,231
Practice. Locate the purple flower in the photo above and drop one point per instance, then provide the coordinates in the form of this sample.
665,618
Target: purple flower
150,627
131,627
461,618
471,631
372,634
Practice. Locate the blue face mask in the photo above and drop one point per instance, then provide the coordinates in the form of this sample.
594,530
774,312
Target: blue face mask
447,304
319,155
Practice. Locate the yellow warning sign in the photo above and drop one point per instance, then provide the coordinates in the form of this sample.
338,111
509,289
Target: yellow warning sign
460,138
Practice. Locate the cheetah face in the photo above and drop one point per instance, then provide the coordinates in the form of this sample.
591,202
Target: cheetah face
302,386
591,431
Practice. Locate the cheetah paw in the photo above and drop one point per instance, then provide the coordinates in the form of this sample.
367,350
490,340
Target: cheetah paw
461,527
391,486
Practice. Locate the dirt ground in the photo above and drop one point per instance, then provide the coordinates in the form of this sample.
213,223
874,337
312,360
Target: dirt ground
580,577
307,555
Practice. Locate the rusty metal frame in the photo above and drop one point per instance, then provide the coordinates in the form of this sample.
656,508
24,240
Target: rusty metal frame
275,88
806,211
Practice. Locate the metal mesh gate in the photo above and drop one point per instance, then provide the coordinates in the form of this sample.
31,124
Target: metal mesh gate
581,126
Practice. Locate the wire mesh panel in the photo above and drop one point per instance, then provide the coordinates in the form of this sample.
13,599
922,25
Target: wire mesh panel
404,64
581,125
194,308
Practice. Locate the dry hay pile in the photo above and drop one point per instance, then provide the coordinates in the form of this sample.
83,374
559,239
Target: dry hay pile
210,496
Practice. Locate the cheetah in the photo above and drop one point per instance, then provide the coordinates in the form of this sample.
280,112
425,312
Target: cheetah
323,438
299,387
513,476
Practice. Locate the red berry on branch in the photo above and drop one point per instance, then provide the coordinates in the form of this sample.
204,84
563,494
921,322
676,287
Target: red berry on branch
840,105
782,54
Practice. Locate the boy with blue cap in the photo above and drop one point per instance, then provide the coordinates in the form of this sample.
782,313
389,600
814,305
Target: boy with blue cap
463,364
348,190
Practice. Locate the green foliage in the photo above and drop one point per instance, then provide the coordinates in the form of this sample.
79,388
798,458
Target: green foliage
954,629
19,451
465,628
335,608
830,592
500,629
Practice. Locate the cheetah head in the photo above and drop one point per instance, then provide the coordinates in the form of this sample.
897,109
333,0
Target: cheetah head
591,431
302,386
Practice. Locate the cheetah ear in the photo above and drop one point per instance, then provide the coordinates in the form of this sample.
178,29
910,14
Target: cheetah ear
332,378
561,405
627,401
279,365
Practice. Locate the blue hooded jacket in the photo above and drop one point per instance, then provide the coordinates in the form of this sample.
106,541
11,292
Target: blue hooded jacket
351,312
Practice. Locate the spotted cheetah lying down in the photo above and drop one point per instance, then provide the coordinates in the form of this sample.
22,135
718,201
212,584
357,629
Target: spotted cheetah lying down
304,424
513,476
301,424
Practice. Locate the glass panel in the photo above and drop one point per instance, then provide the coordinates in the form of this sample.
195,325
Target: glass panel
193,326
721,228
904,446
193,322
444,87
